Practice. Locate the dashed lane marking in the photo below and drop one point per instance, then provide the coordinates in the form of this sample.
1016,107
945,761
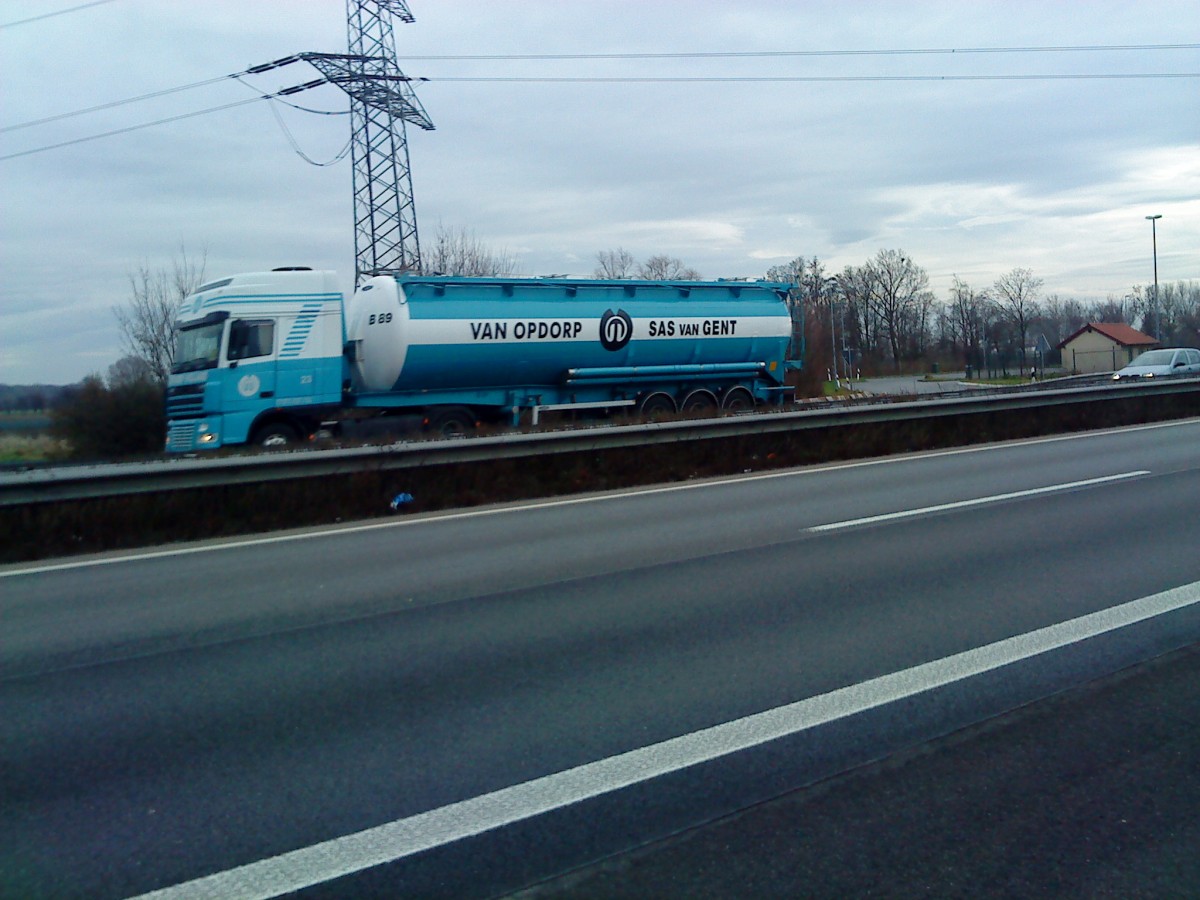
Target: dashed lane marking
979,501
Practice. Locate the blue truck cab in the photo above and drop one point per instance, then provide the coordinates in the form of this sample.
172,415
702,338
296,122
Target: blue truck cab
248,347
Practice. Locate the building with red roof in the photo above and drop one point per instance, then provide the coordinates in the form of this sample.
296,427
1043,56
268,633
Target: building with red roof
1103,347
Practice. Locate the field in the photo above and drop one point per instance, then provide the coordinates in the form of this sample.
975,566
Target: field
25,438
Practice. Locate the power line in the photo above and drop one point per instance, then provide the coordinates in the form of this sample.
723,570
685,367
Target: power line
92,109
61,12
755,54
202,112
96,137
734,79
632,79
291,139
253,70
287,132
751,54
315,112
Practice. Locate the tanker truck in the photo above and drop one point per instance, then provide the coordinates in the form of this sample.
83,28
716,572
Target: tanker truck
273,358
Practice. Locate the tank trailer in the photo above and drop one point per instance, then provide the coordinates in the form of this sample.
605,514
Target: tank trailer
274,358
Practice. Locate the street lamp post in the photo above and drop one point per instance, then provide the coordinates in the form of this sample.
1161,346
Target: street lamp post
837,383
831,286
1154,243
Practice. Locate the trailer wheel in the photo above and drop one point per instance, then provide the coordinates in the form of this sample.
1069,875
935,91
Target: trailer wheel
656,405
451,421
276,436
737,399
699,402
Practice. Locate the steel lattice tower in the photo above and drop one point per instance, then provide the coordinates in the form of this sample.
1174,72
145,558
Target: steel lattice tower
382,101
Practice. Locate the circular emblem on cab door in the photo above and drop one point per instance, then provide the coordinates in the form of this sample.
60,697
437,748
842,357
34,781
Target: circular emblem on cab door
248,385
616,328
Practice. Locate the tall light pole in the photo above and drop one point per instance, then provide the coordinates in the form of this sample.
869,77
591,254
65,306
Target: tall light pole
1154,242
831,287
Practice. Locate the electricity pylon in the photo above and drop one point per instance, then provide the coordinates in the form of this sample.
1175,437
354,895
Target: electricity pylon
382,101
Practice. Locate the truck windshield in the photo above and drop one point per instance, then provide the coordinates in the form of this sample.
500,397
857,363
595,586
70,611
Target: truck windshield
198,347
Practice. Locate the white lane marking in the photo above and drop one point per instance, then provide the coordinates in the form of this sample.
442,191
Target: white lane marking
979,501
236,543
401,838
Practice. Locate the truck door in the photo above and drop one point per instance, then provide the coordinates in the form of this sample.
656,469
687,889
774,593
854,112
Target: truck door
250,382
299,362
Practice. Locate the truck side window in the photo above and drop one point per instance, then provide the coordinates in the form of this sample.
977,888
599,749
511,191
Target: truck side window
249,338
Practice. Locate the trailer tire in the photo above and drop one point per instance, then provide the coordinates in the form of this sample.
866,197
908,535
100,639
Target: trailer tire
451,421
656,406
699,402
737,399
276,436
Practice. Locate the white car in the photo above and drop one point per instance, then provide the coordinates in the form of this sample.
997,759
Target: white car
1157,363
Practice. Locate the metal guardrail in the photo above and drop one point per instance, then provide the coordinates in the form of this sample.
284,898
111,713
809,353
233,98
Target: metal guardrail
84,482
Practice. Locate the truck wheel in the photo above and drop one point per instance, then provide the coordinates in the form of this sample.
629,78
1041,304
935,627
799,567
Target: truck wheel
276,436
452,421
657,405
699,402
737,399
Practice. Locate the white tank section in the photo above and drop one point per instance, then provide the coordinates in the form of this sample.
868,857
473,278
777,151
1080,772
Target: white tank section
377,324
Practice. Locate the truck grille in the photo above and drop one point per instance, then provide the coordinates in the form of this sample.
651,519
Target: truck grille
185,401
181,435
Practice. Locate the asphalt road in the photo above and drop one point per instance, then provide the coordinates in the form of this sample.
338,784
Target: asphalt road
1092,793
424,683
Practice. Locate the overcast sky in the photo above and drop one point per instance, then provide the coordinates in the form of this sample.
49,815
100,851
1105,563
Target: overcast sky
969,177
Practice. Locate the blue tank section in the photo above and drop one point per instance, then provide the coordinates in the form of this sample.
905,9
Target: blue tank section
441,333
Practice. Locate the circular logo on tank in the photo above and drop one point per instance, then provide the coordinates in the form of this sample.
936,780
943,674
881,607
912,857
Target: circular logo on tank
616,328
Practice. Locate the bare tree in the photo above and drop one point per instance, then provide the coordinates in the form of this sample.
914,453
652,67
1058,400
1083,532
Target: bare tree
460,252
1017,295
1168,313
897,287
1187,325
790,272
1114,311
855,285
916,323
666,268
614,263
147,319
128,371
809,288
968,318
1061,318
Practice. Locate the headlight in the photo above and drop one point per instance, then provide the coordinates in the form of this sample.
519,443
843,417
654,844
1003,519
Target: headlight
208,438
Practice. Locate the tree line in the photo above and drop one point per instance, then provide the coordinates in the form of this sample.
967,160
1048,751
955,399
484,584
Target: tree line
882,315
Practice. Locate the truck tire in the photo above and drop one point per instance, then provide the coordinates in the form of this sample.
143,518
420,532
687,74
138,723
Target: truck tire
737,399
656,406
451,421
276,436
699,402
